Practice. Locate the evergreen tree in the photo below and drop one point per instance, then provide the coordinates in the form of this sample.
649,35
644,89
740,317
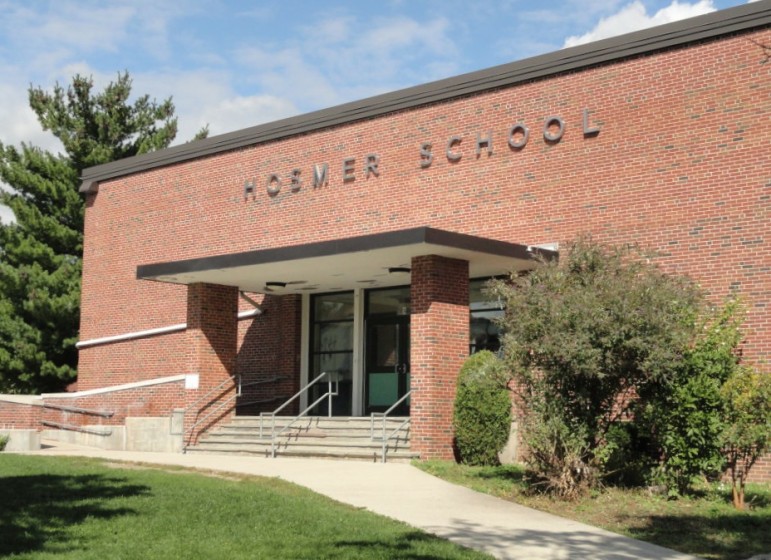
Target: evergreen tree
40,254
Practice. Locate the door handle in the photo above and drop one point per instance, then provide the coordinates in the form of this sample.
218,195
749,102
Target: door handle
401,369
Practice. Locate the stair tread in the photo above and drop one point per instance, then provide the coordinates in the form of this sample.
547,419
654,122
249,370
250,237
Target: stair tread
335,437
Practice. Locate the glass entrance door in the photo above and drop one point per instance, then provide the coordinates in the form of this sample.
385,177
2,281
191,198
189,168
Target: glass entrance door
332,350
387,352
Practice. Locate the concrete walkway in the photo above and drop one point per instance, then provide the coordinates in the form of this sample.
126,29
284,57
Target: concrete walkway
403,492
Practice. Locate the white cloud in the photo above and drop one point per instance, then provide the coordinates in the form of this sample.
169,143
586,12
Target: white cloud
207,98
19,123
235,113
634,16
342,58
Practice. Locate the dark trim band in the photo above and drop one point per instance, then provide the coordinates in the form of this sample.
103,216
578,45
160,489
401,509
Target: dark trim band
414,236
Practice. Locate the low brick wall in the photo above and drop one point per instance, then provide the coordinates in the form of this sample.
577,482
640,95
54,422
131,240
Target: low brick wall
20,412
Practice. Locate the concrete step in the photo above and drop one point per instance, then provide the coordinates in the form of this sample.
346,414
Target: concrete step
343,438
367,454
317,432
223,441
317,422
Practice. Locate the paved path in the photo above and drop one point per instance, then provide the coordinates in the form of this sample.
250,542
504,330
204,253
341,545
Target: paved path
403,492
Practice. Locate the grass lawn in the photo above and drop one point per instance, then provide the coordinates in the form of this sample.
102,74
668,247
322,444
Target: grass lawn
705,525
83,508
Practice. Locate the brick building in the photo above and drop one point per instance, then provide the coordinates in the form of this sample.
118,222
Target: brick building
353,240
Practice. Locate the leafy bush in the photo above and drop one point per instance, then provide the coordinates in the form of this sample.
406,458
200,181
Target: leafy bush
747,432
686,414
583,337
626,456
482,411
4,441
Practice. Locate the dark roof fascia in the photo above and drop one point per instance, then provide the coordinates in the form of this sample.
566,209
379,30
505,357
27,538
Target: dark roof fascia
709,26
370,242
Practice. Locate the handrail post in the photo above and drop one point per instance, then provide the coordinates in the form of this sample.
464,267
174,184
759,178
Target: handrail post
327,396
329,399
384,425
384,415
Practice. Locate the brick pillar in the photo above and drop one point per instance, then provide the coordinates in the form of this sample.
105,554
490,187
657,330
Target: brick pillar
439,328
211,345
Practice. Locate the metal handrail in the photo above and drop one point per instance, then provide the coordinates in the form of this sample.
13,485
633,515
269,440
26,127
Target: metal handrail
384,415
212,410
328,395
77,410
273,379
74,428
261,401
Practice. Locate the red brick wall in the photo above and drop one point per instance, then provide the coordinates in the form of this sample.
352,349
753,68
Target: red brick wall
153,400
269,347
17,416
136,360
680,166
439,329
761,471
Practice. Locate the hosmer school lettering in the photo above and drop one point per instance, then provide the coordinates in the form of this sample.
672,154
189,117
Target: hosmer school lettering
517,137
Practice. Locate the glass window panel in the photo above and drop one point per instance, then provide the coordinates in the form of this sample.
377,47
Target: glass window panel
395,301
342,364
385,346
333,307
479,299
333,337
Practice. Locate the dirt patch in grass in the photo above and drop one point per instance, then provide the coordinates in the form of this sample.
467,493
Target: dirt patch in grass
174,470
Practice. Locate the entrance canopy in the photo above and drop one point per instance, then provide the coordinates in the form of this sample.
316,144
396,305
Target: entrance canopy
367,261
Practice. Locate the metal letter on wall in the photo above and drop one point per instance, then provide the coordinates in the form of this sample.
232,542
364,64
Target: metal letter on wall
454,141
518,128
371,167
273,184
296,183
426,157
588,131
485,142
349,166
550,136
249,188
320,175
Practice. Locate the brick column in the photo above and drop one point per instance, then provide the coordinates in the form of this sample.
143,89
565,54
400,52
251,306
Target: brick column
211,345
439,328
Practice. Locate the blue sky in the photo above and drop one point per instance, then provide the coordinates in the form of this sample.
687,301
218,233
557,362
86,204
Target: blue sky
236,64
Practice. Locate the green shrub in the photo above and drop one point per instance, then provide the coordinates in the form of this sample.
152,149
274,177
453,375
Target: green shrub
747,432
4,441
482,412
584,337
626,456
686,413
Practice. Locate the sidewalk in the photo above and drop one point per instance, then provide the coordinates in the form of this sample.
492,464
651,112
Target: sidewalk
403,492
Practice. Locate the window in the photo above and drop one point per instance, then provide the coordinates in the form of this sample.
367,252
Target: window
332,347
484,332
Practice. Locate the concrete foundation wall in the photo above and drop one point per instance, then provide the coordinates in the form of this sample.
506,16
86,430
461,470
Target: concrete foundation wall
22,440
159,434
